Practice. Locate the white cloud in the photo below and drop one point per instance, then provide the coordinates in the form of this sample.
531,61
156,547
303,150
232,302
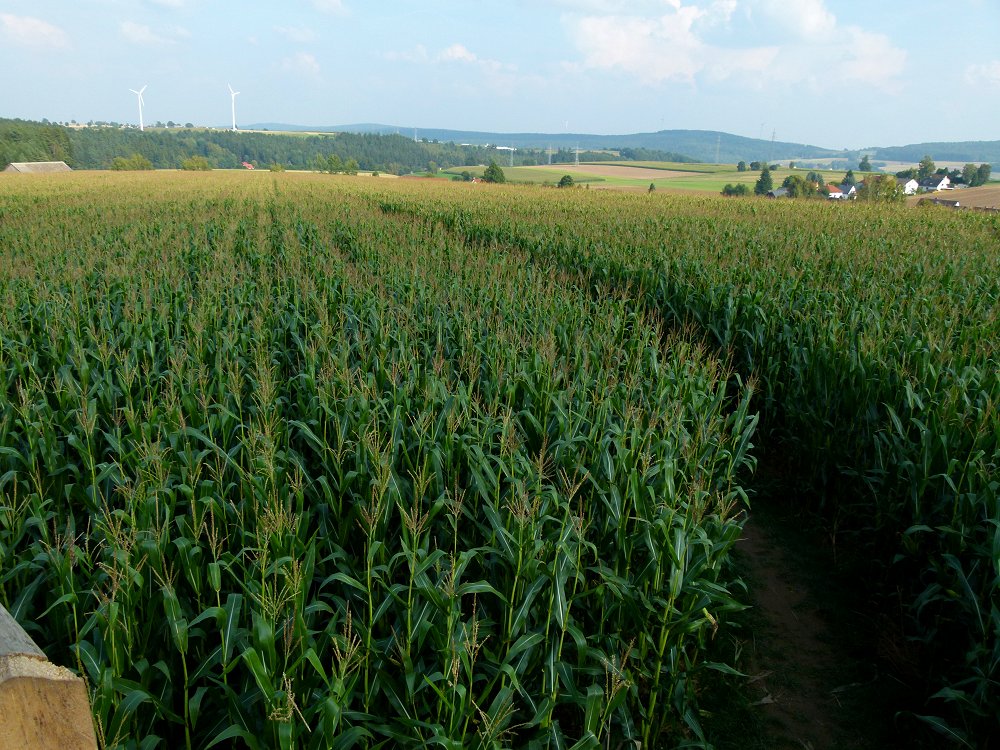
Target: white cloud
299,34
675,43
668,46
458,52
417,55
303,64
984,74
138,33
32,32
336,7
872,59
805,18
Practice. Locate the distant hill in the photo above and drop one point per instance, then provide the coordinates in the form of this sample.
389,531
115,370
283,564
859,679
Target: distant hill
963,151
700,145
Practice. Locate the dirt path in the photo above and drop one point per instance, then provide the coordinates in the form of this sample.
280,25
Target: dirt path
814,679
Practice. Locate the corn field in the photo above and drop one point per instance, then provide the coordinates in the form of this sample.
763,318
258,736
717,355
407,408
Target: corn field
872,335
300,461
279,468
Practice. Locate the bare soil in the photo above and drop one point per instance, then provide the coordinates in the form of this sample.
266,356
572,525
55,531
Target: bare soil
986,196
815,679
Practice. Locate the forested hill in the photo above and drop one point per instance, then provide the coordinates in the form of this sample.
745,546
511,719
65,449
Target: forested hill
964,151
98,147
700,145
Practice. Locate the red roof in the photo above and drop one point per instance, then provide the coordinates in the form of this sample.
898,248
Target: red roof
834,188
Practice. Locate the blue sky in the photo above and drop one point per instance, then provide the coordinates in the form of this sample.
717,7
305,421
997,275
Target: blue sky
835,73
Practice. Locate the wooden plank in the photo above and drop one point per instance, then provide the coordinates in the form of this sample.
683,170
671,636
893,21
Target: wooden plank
13,639
41,705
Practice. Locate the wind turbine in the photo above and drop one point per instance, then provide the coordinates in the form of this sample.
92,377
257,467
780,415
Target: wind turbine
233,94
139,94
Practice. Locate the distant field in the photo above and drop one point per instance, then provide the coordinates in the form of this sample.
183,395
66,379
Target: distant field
705,178
677,166
987,196
627,171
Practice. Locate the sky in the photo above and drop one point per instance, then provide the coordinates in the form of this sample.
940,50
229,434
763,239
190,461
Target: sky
832,73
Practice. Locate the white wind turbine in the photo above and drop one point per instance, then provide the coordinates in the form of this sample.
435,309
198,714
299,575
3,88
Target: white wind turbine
233,94
139,94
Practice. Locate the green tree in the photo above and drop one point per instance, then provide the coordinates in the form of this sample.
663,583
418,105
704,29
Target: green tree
493,173
566,181
881,188
334,164
734,190
741,167
926,168
652,188
196,164
135,162
864,165
849,178
984,173
764,182
351,166
799,187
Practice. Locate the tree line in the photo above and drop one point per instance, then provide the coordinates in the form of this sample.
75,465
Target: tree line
125,148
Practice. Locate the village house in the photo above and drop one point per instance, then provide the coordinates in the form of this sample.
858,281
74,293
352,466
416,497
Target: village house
934,183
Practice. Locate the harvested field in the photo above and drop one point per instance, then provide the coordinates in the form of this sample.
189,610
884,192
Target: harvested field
614,170
987,196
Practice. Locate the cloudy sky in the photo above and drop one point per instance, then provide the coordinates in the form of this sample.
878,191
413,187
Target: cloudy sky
834,73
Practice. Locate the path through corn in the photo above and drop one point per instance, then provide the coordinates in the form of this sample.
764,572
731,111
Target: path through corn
815,675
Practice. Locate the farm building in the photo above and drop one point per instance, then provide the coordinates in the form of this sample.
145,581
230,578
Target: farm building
935,183
37,167
940,202
909,185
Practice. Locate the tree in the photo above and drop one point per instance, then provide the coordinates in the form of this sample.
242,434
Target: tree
764,182
196,164
755,165
881,188
984,173
815,178
133,162
741,167
798,187
652,188
864,165
493,173
926,168
351,166
733,190
849,178
334,164
974,176
566,181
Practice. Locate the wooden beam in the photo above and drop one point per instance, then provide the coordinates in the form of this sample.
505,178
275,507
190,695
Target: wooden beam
41,705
